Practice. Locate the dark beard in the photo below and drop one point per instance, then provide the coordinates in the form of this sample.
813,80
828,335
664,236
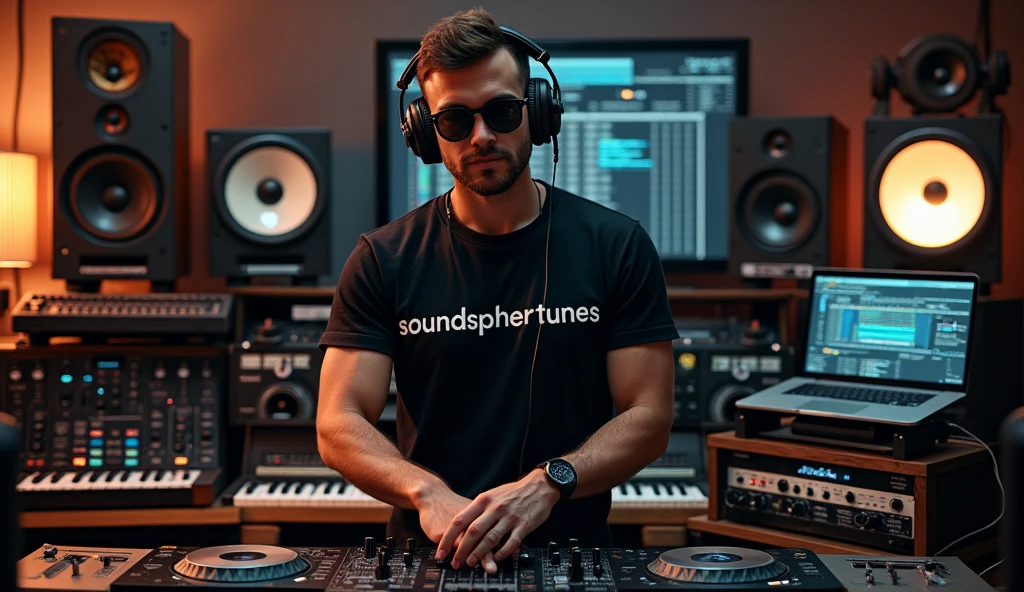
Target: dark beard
488,182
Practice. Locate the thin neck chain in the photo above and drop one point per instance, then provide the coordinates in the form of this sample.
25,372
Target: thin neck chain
540,206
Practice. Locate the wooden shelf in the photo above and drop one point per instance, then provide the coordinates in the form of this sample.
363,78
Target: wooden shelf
774,538
134,517
946,457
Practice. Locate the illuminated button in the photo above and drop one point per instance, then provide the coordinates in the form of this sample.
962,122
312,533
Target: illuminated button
66,378
101,391
78,461
131,462
181,460
96,433
95,462
131,452
96,442
132,433
96,452
132,442
87,378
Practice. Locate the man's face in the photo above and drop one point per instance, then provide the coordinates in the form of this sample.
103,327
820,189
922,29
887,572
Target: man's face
486,161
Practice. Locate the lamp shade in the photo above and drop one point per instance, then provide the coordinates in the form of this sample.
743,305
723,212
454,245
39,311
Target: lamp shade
18,216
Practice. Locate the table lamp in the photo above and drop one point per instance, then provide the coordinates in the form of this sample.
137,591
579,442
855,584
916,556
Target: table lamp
18,216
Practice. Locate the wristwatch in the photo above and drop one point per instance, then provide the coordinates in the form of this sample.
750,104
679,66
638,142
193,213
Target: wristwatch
561,473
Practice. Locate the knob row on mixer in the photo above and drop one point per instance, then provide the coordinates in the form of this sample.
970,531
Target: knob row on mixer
760,482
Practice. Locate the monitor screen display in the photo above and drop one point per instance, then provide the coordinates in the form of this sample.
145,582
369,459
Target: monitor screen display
645,132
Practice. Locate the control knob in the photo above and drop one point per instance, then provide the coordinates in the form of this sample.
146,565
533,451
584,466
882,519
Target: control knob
800,508
896,504
369,545
268,332
49,552
735,497
783,485
866,520
761,501
851,497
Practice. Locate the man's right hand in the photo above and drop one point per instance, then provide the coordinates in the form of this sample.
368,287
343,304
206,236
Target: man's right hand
437,510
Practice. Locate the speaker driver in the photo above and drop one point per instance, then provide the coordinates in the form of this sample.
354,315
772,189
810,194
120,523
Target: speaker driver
114,64
932,194
270,190
778,212
938,73
113,196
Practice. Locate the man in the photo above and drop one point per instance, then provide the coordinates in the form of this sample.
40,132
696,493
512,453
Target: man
454,295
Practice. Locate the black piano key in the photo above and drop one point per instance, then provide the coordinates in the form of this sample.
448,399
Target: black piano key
660,488
126,475
110,476
95,476
40,477
277,485
252,487
78,477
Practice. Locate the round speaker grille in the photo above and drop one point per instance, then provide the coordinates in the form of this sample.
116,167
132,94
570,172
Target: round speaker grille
931,194
778,212
114,196
938,73
114,65
270,192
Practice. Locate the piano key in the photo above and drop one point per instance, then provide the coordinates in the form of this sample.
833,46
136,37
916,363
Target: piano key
48,490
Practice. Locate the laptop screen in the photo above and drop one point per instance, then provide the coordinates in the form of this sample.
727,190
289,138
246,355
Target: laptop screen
899,328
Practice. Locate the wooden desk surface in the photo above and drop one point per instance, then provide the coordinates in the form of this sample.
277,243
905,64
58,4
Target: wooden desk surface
134,517
269,515
775,538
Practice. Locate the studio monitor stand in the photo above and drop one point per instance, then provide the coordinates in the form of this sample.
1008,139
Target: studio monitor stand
903,442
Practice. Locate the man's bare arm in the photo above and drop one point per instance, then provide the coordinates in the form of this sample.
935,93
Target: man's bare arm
354,387
640,378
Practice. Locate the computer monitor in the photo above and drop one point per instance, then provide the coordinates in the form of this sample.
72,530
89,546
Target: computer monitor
913,328
645,132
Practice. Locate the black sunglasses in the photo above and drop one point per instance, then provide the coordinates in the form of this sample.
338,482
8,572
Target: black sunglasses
501,115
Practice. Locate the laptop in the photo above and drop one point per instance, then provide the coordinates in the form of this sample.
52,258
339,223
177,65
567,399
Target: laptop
882,346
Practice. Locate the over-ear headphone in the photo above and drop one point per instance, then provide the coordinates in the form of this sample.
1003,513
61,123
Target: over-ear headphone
543,104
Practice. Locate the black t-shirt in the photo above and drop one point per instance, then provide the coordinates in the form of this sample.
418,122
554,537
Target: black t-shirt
458,313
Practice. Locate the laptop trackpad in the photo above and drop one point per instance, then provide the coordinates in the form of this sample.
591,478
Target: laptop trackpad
833,407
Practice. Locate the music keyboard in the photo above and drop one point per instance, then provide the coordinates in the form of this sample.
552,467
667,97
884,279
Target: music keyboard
337,493
658,495
110,489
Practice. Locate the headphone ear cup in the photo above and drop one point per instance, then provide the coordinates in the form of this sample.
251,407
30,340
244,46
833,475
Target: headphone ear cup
421,137
538,101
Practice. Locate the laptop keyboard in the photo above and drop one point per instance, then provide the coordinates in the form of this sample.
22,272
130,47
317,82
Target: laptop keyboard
864,395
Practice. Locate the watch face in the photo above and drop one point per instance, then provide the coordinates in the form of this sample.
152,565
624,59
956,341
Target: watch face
562,472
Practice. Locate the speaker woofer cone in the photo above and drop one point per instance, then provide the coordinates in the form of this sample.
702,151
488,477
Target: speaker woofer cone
929,192
938,73
114,196
269,189
778,212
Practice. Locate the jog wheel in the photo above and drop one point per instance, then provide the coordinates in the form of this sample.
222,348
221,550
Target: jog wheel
241,564
716,565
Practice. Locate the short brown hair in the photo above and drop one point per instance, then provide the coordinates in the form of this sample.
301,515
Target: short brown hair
461,40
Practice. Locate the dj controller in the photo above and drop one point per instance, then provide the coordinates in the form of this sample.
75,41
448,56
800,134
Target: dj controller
387,567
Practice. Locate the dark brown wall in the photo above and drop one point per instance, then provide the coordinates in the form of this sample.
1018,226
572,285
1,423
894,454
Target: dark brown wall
310,62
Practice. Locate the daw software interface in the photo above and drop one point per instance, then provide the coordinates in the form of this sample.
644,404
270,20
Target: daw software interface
645,132
898,329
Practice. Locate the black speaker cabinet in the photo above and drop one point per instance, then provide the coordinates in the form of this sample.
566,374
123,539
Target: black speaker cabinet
787,175
120,151
932,194
270,192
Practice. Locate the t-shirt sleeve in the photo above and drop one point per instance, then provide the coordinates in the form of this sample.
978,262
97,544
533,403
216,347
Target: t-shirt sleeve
361,314
640,311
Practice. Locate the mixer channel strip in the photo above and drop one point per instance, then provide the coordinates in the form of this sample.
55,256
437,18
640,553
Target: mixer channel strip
77,314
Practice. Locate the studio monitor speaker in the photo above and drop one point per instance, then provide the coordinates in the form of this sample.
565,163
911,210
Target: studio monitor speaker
270,194
120,151
932,194
787,189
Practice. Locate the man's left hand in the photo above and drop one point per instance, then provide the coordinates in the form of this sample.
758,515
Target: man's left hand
514,509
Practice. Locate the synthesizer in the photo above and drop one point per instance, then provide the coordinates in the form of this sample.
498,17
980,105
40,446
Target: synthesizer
106,429
283,468
87,314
